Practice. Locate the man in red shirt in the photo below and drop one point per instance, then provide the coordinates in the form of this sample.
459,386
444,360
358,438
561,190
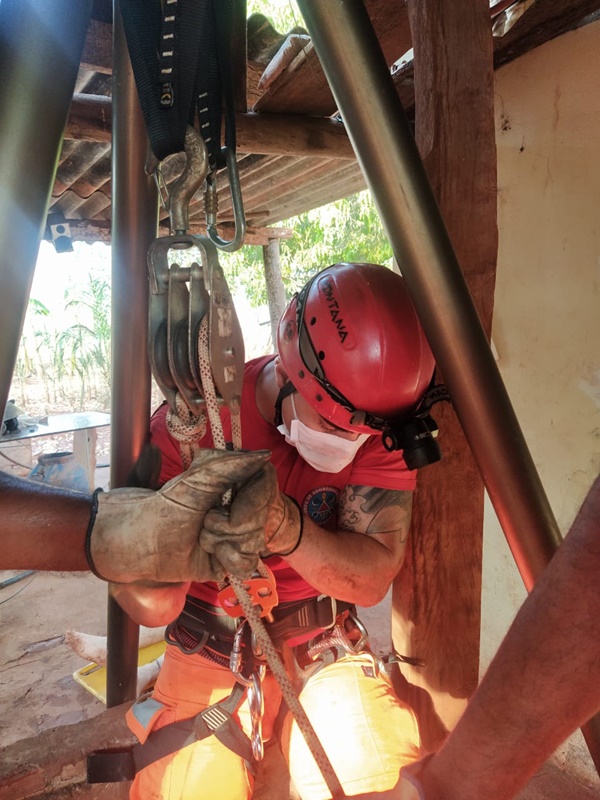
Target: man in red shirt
351,357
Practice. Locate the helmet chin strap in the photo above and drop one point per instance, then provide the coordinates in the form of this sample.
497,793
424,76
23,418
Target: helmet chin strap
285,390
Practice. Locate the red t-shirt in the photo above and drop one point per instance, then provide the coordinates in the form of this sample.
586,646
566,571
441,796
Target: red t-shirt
316,492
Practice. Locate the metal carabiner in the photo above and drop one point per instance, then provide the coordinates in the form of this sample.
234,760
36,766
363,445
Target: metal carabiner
364,634
256,703
236,657
187,184
211,206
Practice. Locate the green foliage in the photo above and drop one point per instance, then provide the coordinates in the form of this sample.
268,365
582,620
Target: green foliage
347,230
284,14
68,351
73,362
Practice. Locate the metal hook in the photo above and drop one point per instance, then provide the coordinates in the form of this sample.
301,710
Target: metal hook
211,206
187,184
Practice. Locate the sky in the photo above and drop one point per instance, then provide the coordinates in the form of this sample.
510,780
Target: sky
57,273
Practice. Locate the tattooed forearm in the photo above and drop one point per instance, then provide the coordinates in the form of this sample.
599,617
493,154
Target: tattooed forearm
364,509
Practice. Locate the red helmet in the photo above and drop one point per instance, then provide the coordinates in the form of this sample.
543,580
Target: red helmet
353,346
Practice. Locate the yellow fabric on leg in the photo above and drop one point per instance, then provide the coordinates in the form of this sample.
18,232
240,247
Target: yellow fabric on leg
186,685
366,731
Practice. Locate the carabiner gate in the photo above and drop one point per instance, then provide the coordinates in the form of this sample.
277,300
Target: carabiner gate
211,206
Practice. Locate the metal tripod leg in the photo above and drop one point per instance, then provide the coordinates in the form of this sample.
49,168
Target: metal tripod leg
343,37
29,160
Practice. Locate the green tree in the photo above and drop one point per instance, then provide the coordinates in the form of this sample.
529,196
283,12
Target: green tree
284,14
346,230
85,346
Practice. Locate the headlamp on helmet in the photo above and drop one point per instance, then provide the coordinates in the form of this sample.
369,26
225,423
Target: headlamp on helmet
416,435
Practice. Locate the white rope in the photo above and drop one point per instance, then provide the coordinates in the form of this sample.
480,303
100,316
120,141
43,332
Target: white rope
186,431
187,428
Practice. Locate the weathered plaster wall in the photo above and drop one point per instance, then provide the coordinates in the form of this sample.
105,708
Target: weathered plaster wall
547,305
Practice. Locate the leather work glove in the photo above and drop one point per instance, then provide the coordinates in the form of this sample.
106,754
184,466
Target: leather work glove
141,535
261,521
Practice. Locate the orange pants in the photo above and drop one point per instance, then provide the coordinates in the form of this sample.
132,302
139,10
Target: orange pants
368,734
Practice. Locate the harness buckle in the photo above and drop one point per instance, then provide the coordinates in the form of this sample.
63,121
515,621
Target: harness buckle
326,611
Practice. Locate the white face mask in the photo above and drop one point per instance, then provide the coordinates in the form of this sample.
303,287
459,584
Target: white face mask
323,451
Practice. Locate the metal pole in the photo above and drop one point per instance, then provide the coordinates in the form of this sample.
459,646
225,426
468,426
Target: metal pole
39,59
134,226
361,83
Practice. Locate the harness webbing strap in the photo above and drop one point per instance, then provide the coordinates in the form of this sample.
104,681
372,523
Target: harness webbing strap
181,60
165,122
216,720
307,617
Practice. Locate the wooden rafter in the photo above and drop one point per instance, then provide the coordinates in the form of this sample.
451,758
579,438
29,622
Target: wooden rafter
90,230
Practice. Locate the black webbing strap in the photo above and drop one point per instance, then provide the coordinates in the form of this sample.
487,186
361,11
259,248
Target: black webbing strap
181,59
304,616
216,720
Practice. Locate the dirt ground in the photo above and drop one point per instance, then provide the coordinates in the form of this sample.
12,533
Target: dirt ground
37,689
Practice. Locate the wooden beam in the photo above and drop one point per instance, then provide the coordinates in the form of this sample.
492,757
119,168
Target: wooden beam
275,287
437,595
302,87
543,21
53,764
292,135
254,236
56,758
97,50
83,230
90,118
263,134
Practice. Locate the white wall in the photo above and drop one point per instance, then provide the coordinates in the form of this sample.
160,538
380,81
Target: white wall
546,326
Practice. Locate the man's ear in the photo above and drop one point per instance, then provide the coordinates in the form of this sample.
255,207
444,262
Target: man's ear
281,375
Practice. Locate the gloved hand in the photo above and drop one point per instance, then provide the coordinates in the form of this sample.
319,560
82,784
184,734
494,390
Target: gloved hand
261,521
143,535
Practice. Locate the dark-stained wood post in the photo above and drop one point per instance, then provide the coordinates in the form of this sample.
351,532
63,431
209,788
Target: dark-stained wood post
437,595
275,287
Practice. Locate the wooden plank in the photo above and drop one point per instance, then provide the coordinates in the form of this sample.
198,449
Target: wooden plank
302,87
437,595
342,183
279,183
85,230
97,50
543,21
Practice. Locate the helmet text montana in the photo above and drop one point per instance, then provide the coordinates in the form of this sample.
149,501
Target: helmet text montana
334,309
